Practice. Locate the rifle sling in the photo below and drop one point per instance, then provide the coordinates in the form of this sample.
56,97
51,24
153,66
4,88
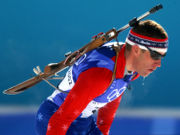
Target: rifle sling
117,49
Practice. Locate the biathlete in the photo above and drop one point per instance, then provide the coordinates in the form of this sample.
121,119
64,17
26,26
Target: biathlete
90,85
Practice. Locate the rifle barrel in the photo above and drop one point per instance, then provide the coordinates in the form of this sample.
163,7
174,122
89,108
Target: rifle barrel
151,11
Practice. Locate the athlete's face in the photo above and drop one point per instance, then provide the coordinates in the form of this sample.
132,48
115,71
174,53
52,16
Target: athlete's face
145,64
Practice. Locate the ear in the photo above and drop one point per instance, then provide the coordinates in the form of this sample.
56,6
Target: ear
136,50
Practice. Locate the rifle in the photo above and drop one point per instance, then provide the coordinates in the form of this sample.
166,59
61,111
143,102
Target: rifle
52,69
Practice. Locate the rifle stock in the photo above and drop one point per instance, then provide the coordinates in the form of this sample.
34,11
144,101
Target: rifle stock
24,85
52,69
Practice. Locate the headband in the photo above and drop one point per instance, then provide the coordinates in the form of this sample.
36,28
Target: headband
159,45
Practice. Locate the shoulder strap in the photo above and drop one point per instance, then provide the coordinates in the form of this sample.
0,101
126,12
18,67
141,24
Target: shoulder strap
117,49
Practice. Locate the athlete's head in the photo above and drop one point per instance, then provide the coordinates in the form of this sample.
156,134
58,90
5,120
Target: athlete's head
146,43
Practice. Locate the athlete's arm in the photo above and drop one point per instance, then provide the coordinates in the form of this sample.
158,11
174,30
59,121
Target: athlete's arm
90,84
106,115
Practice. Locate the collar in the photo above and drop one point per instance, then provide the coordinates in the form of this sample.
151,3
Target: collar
121,65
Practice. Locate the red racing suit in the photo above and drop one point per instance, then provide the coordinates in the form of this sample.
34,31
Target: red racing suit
88,88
